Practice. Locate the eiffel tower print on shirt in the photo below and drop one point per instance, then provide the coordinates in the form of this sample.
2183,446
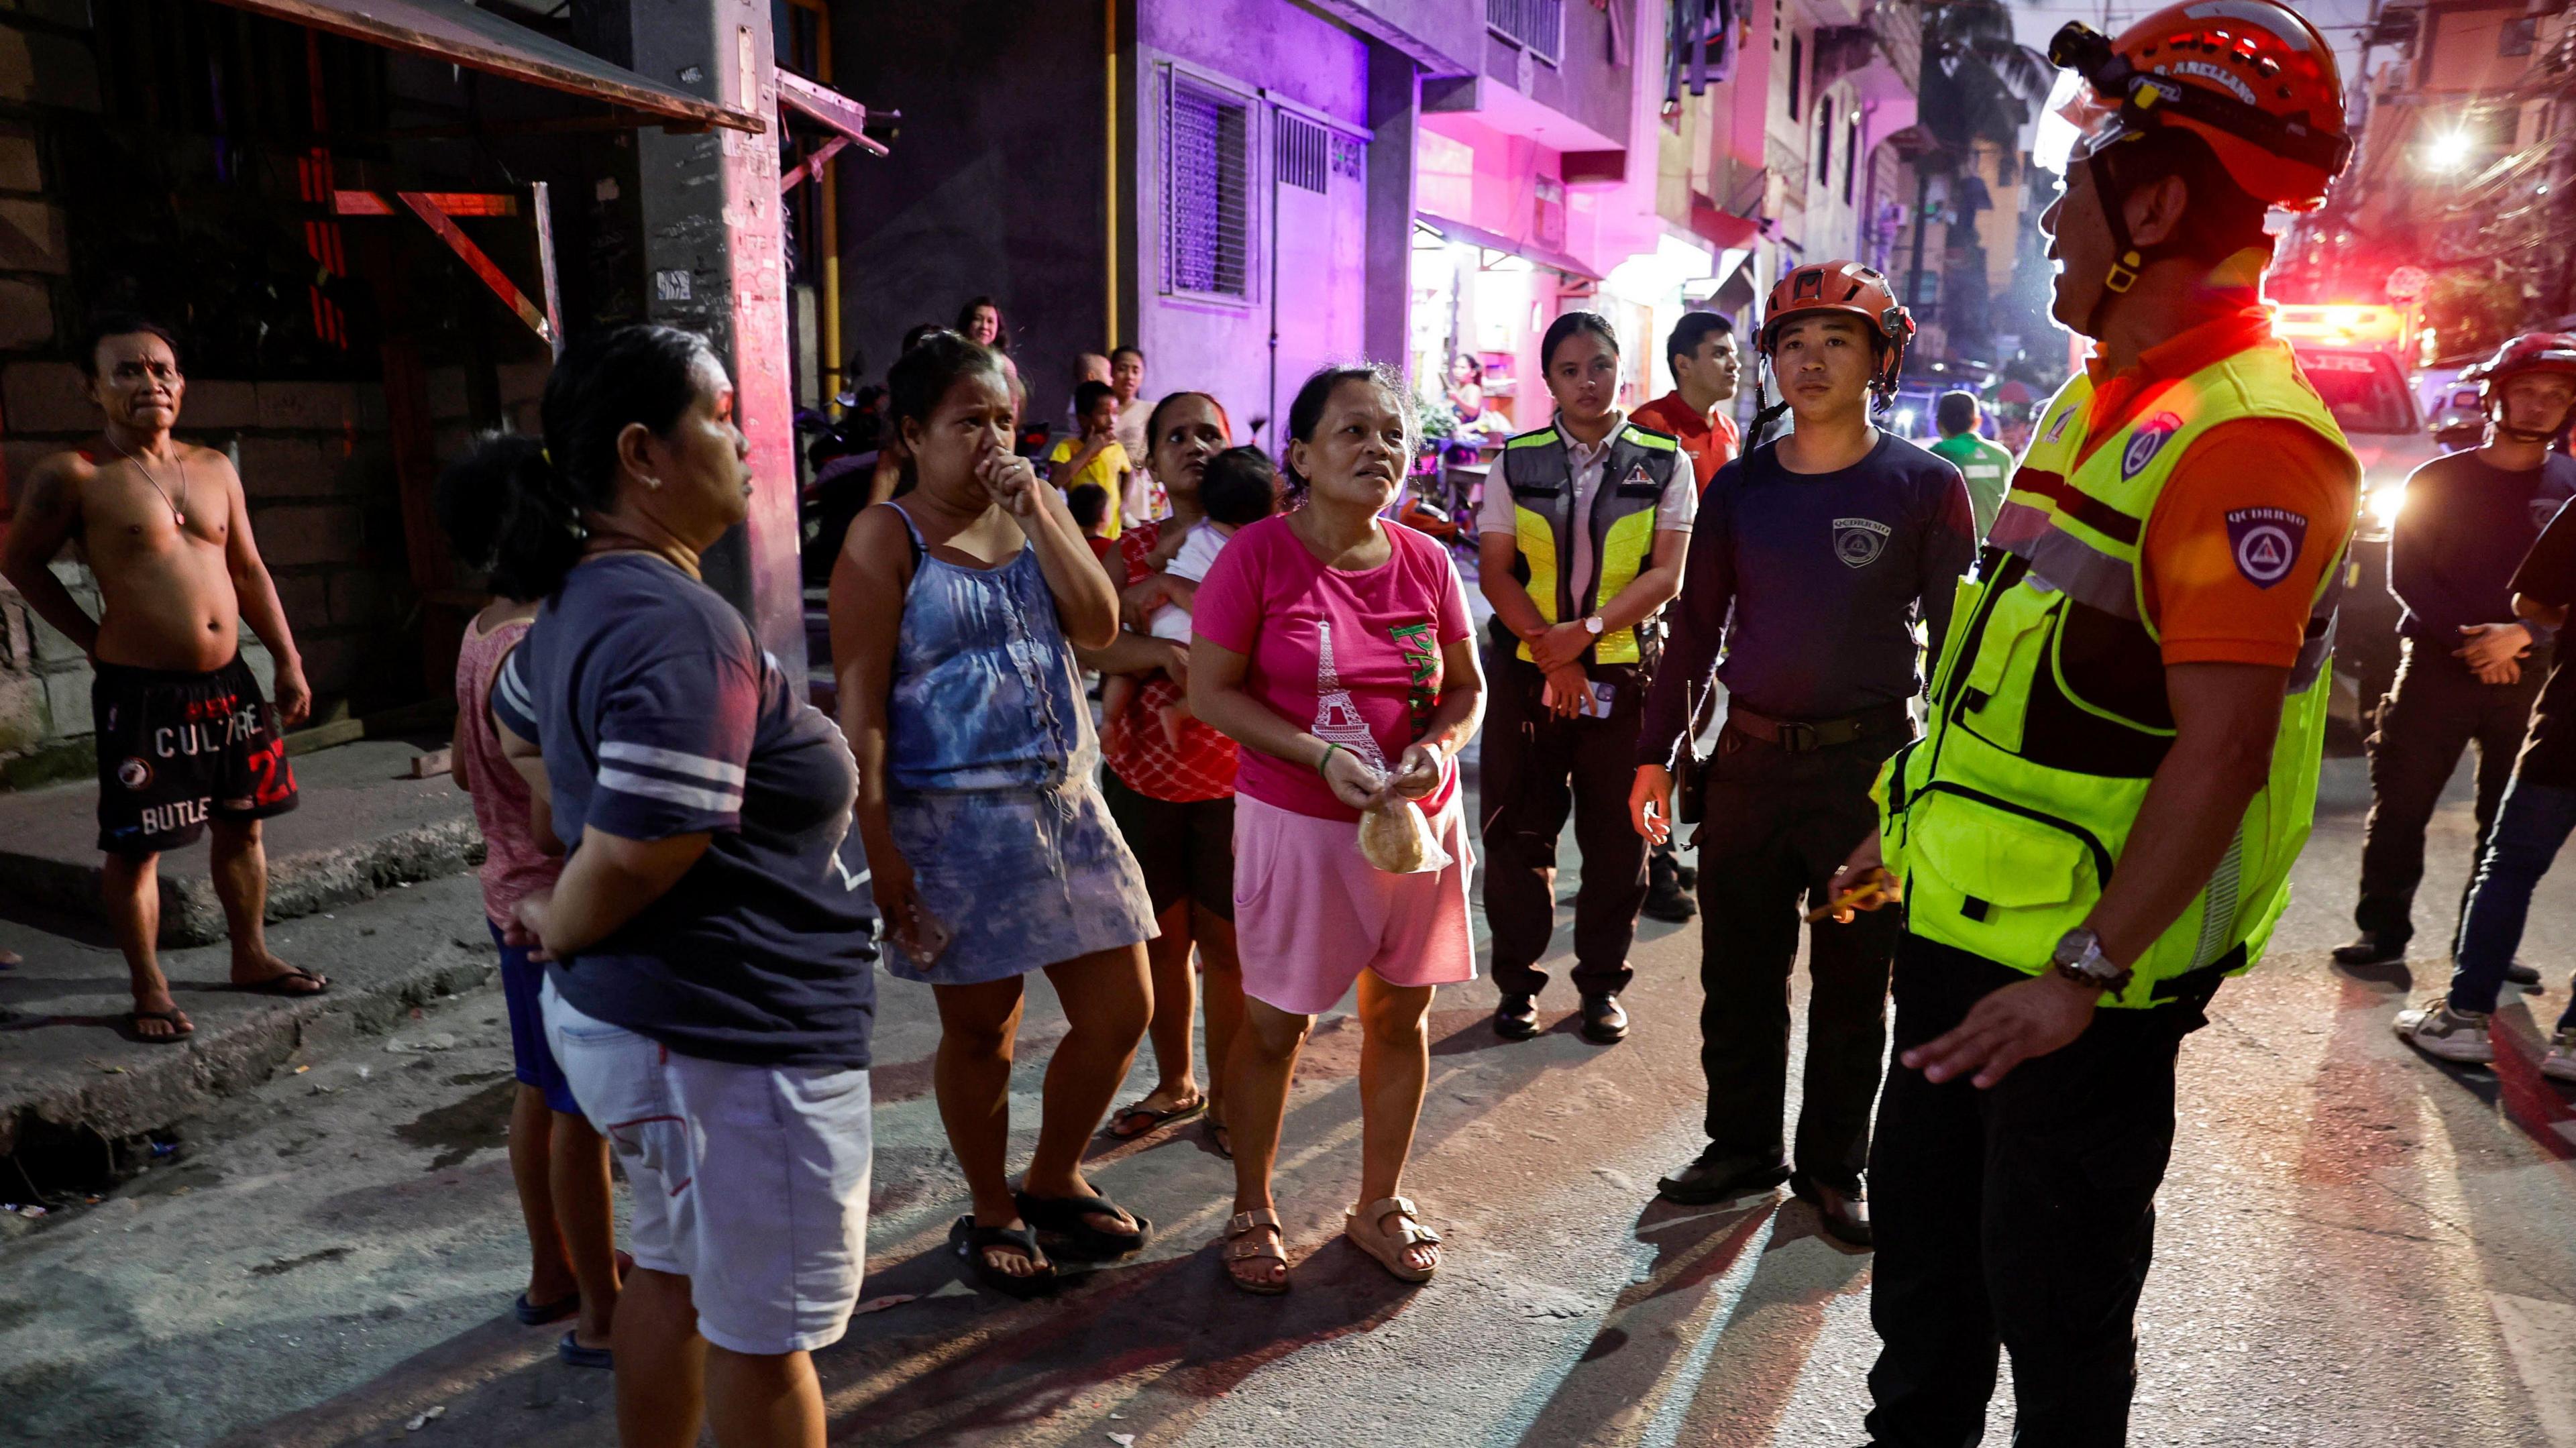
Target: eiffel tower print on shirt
1337,719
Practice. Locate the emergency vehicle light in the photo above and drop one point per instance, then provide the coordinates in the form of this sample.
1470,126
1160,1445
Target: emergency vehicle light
2339,325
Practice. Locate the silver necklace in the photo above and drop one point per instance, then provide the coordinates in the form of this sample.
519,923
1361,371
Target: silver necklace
178,510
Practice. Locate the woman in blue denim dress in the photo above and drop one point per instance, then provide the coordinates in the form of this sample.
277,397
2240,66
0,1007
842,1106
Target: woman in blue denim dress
990,849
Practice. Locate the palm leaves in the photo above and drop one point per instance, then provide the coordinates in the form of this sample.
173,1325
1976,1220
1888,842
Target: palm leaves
1979,83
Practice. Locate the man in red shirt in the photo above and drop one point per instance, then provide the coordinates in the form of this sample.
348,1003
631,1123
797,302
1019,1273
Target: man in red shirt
1706,367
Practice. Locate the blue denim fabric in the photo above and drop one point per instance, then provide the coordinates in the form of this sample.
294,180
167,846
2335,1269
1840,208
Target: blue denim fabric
2533,822
986,694
1022,878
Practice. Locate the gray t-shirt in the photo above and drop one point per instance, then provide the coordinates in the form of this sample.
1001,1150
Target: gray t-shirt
1674,513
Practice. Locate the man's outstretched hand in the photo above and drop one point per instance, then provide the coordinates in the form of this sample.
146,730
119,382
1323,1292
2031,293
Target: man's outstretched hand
2025,1019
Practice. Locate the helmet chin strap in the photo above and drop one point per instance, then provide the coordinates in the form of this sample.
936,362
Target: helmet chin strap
1882,392
2521,434
2132,258
1765,412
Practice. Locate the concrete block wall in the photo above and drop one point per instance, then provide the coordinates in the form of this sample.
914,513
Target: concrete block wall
317,472
315,457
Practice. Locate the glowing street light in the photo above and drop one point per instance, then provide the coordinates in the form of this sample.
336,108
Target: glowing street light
2449,152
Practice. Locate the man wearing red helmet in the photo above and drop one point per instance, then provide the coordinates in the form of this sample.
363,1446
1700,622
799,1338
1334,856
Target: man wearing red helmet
1813,560
2468,520
2121,759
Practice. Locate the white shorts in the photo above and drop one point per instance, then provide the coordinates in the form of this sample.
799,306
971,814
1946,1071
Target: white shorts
750,1181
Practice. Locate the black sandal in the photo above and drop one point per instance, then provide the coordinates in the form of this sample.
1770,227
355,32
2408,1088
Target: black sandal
1065,1224
971,1242
1155,1118
286,985
180,1027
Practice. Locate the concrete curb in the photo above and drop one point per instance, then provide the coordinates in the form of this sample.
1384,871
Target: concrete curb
62,1073
362,827
305,883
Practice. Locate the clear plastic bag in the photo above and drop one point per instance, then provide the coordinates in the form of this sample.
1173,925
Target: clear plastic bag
1397,838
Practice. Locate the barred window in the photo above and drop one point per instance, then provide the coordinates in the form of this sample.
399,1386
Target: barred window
1302,146
1537,26
1206,201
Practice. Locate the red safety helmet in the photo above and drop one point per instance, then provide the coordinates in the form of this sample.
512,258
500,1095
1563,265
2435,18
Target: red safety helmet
1849,287
2251,77
2528,353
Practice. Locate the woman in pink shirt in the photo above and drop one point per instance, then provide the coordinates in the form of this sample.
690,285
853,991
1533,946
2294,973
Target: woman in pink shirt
1337,650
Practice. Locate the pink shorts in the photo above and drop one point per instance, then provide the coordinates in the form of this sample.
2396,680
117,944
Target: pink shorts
1310,913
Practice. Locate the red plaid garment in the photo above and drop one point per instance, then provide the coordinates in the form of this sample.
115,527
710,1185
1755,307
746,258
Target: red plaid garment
1203,767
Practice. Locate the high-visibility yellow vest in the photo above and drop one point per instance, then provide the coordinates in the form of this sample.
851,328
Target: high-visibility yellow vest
1640,465
2048,707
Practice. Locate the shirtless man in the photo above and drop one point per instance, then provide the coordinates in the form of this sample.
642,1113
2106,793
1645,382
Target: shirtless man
185,742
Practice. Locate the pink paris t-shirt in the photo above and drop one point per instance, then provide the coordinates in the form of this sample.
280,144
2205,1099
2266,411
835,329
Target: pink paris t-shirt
1353,657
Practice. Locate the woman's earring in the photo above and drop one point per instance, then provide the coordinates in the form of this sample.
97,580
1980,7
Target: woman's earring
653,483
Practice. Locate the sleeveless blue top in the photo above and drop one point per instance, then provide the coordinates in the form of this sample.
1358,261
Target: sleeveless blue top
986,693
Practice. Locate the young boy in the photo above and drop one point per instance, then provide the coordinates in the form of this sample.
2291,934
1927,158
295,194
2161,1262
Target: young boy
1089,503
1094,457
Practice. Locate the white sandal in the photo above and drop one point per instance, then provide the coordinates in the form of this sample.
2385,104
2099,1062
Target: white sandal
1362,1227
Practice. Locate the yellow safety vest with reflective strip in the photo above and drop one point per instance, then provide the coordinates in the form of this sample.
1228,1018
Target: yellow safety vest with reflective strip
2048,713
1639,466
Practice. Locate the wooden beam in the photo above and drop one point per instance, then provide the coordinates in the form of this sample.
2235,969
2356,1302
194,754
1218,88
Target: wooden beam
454,203
812,166
481,265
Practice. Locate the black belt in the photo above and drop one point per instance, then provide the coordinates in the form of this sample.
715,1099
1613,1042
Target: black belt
1797,736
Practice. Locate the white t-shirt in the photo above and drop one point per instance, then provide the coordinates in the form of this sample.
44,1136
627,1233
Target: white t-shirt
1197,556
1675,513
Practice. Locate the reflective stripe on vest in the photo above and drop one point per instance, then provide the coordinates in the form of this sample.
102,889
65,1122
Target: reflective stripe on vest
2005,832
1540,476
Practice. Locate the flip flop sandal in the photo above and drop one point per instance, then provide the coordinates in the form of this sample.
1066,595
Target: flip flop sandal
538,1314
535,1314
275,985
180,1030
1064,1223
574,1355
1361,1226
969,1242
1221,1139
1269,1249
1155,1118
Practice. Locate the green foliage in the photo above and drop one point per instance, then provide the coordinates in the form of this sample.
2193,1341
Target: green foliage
1978,82
1433,417
2471,313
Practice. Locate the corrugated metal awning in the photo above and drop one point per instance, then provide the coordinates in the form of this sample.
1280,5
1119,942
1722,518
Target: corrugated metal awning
453,31
1532,251
827,107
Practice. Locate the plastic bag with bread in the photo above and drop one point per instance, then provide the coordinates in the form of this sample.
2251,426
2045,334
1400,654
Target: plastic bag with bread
1396,837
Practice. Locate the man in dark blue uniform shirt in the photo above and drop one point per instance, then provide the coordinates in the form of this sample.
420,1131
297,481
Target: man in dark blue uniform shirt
1827,547
2468,520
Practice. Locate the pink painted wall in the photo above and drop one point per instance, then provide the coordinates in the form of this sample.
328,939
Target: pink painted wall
1471,172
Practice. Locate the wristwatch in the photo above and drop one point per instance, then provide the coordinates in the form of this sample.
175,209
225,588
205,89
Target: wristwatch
1593,625
2079,958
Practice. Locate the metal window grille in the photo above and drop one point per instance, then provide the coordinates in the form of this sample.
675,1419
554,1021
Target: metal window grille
1304,150
1537,26
1206,201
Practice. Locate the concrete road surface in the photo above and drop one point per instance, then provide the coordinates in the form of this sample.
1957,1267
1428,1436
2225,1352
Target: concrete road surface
2356,1248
